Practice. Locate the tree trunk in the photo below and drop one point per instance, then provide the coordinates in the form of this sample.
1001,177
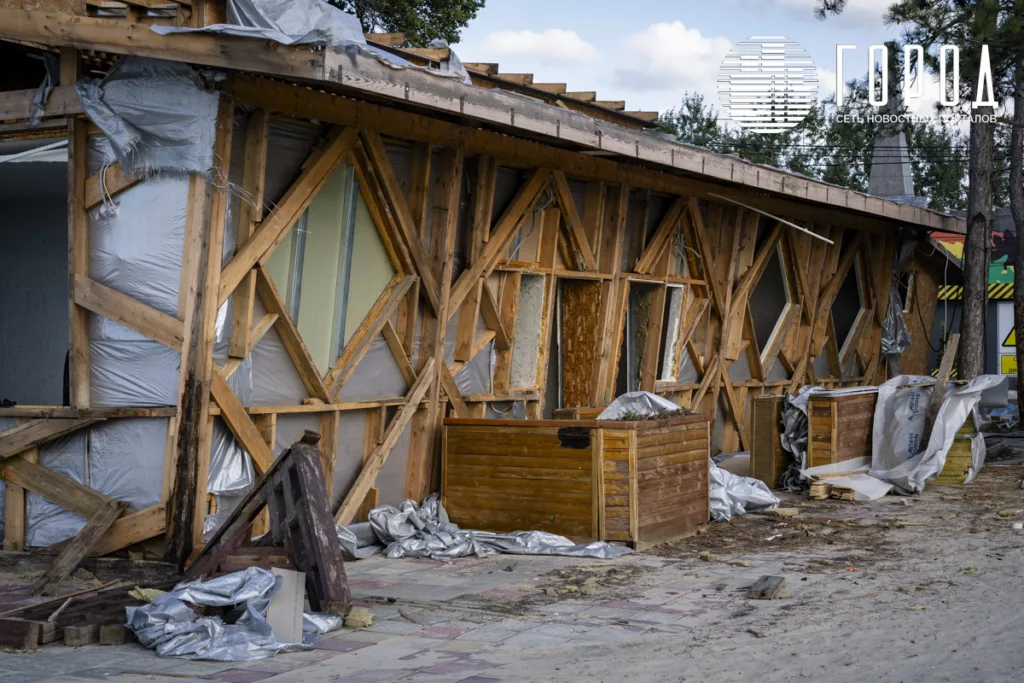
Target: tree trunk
976,249
1017,207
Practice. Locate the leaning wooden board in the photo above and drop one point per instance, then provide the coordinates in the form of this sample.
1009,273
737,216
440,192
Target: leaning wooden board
638,482
839,426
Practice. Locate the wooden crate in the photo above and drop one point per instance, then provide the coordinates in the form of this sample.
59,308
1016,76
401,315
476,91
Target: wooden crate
839,426
767,459
639,482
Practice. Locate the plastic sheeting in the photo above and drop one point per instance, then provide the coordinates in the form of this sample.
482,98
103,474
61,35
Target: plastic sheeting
289,22
156,114
732,495
897,455
52,64
412,530
895,333
48,523
169,624
637,404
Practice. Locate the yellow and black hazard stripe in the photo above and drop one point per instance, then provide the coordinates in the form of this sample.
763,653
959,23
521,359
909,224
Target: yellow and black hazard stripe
996,292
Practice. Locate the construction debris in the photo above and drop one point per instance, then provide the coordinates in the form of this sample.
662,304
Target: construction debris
769,588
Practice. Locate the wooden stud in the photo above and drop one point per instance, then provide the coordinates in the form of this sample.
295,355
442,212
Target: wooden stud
78,548
330,424
273,229
364,482
250,214
575,232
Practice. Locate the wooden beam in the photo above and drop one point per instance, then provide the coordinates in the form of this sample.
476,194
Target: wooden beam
240,424
501,236
108,183
398,351
364,482
78,241
330,423
662,237
132,313
407,228
128,530
577,236
250,214
75,551
290,336
451,390
56,488
37,432
199,303
371,326
492,318
16,105
120,37
265,237
509,289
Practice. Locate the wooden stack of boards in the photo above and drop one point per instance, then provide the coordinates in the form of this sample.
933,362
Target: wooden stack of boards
767,459
839,426
642,483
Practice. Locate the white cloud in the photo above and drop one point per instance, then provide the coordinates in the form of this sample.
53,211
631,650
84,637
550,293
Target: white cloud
826,83
669,58
550,45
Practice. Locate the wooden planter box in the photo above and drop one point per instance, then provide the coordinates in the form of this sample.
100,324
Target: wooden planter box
638,482
839,427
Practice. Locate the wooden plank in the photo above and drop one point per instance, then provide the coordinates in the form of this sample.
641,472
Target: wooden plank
939,390
131,529
407,228
78,244
576,236
666,230
108,183
509,291
371,326
16,105
37,432
272,230
501,235
290,336
79,546
250,213
240,424
364,482
451,390
129,312
19,634
199,303
330,423
493,319
398,351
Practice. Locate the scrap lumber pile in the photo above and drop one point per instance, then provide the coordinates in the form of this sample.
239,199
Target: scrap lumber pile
302,538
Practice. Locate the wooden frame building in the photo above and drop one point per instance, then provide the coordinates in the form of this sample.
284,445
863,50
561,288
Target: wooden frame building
493,249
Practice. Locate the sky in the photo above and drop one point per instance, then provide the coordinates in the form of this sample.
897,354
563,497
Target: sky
649,52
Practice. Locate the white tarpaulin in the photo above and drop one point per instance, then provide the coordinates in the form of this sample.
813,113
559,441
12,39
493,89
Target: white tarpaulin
863,485
897,456
637,405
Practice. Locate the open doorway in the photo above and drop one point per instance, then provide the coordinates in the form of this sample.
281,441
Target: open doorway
33,271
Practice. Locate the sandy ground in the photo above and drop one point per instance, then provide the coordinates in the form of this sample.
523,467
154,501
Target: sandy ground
943,601
917,590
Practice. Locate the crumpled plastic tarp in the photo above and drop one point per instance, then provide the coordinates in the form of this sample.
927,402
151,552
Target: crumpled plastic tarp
169,624
637,404
412,530
895,333
289,22
51,63
732,494
897,455
156,114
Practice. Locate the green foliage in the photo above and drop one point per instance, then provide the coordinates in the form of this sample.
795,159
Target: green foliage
834,145
420,20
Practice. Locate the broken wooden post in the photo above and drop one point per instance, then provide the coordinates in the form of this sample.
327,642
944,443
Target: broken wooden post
939,392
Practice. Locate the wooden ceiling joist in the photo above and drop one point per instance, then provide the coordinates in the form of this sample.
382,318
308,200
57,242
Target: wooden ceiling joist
518,79
388,39
583,95
615,105
553,88
482,67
